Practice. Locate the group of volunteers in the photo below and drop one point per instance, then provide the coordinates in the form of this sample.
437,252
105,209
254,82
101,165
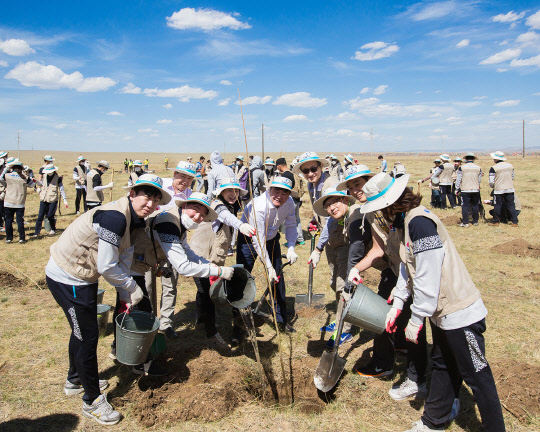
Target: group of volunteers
365,219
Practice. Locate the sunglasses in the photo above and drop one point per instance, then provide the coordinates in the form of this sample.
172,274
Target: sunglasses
308,170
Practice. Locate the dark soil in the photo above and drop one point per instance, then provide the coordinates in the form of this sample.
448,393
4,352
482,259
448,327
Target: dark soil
451,220
7,280
519,247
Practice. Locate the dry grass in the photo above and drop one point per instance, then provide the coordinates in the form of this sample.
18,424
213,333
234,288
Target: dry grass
34,331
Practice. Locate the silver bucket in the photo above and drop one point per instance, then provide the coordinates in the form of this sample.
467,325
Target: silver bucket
100,293
47,224
239,292
135,333
103,317
368,310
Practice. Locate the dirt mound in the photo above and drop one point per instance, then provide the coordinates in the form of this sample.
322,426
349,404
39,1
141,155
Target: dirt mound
451,220
518,385
304,311
533,276
7,280
519,247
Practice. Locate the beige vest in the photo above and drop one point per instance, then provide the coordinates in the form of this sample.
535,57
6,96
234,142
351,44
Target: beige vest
91,194
15,189
134,177
49,191
457,290
2,191
469,179
76,249
390,244
337,236
446,176
503,176
82,176
298,188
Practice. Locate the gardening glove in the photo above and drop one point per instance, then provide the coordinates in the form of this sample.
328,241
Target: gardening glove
291,255
412,331
132,297
346,296
391,317
110,185
314,258
391,297
312,226
226,272
247,230
272,276
66,203
354,276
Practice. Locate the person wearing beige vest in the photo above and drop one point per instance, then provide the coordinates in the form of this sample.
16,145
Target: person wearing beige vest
79,175
442,290
3,157
48,159
98,243
296,194
468,180
51,188
137,172
95,188
444,174
501,179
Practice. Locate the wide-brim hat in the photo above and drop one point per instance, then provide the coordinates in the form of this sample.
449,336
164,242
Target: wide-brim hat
457,159
383,190
103,163
309,157
437,160
137,163
240,157
282,183
231,185
352,173
49,169
15,162
349,158
200,198
81,158
499,155
155,182
318,206
445,157
269,162
185,167
3,154
48,158
470,155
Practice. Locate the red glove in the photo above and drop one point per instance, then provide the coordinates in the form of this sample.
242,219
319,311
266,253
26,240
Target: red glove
312,226
391,318
213,279
124,308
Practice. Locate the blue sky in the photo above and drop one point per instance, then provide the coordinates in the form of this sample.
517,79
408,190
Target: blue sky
164,76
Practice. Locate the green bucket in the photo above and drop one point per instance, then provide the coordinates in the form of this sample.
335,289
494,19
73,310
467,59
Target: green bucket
103,317
135,333
368,310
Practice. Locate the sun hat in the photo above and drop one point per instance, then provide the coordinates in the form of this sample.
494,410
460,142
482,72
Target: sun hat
352,173
231,185
309,157
318,206
334,157
48,158
240,157
400,170
50,169
200,198
445,157
349,158
470,155
282,183
155,182
382,190
3,154
9,160
189,158
81,158
457,159
14,162
137,162
437,160
185,168
103,163
498,155
269,161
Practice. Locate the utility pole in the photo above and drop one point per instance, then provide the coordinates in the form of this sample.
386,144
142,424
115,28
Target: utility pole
523,139
371,152
18,145
263,142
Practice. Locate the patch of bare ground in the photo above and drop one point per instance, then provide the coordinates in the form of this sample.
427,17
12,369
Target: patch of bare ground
519,247
451,220
8,280
533,276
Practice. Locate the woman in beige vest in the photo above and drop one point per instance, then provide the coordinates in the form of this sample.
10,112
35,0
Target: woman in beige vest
51,185
444,174
79,175
433,273
3,157
94,194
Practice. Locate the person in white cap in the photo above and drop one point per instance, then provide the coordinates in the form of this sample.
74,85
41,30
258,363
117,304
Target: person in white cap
468,181
137,172
241,172
94,194
98,243
51,187
442,290
79,175
433,185
218,174
457,165
444,174
501,179
3,158
16,184
335,168
269,169
266,213
199,169
349,161
48,159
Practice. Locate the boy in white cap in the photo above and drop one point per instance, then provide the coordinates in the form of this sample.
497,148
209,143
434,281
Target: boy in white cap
48,159
444,174
94,194
501,179
51,187
468,180
270,169
79,175
266,213
137,172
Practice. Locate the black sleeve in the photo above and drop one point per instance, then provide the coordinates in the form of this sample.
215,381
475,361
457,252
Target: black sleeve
359,238
424,235
41,170
491,170
96,181
59,181
168,232
110,225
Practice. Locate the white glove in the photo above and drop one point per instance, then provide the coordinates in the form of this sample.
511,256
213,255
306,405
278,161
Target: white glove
226,272
354,276
247,230
272,276
412,331
110,185
314,258
291,255
66,203
132,298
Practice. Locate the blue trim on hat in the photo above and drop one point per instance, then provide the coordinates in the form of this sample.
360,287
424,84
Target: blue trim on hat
280,183
381,193
228,185
334,193
308,159
140,182
356,174
185,170
199,201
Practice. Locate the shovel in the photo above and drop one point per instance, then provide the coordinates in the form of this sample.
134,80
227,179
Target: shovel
331,365
257,310
310,299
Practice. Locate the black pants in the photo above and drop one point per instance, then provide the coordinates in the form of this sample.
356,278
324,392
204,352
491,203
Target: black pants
81,193
435,198
80,306
459,355
383,345
446,190
509,202
472,199
205,309
49,210
10,212
457,198
2,214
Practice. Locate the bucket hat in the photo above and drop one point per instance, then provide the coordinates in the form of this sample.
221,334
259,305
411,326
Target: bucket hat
269,161
200,198
48,158
103,163
12,162
50,169
155,182
81,158
349,158
382,190
282,183
470,155
334,157
185,168
437,160
352,173
498,155
457,159
137,163
445,157
3,154
400,170
240,157
232,185
9,160
318,206
309,157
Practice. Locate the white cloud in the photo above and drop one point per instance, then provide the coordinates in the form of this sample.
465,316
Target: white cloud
534,21
380,90
204,19
115,113
496,113
536,94
480,97
232,130
346,132
250,100
147,130
502,70
365,90
184,93
167,106
464,43
61,126
535,122
131,89
507,103
16,47
502,56
510,17
529,38
33,74
229,46
300,99
225,82
533,61
296,118
371,107
3,63
127,138
434,10
438,130
452,119
375,51
164,121
224,102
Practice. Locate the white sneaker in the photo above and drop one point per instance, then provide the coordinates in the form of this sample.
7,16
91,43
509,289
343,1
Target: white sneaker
407,389
78,212
52,232
421,427
101,411
71,389
218,343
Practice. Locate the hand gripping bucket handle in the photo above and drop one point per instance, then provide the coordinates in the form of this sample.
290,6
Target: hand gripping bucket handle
135,333
367,310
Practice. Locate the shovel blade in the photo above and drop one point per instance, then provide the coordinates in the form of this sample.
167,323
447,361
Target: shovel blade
326,374
317,300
